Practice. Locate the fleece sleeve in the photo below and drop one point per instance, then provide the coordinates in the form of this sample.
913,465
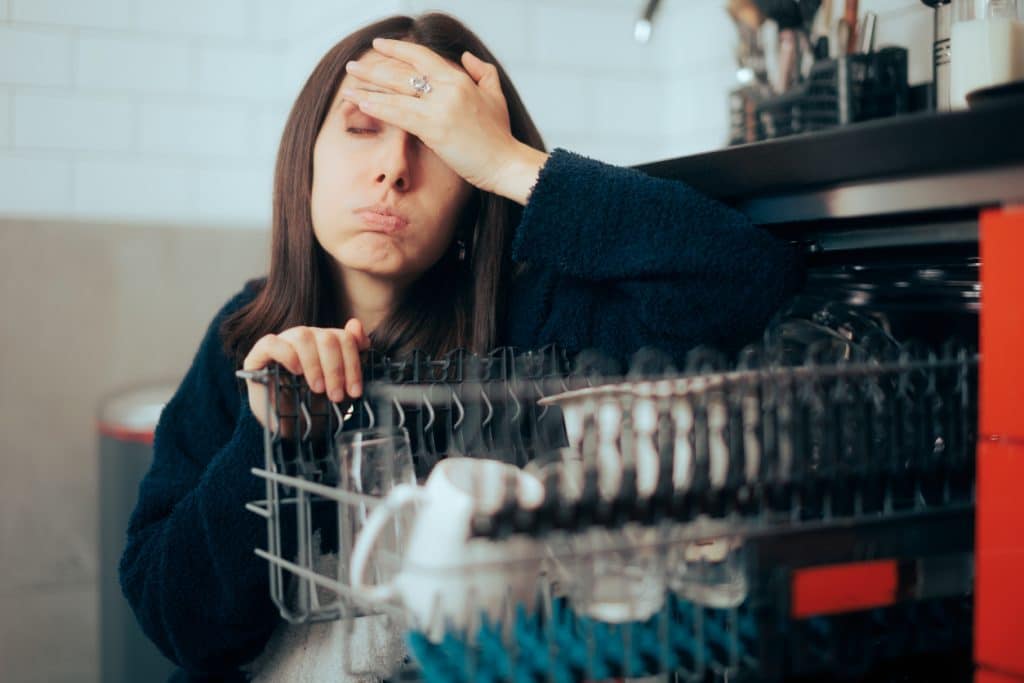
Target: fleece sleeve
648,254
189,570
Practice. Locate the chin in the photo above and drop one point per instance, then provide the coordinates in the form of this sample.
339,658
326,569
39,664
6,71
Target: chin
389,265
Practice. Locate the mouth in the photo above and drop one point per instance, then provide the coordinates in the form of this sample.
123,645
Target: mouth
382,219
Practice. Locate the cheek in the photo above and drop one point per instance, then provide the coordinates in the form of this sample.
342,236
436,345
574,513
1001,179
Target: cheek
326,203
327,173
448,209
452,194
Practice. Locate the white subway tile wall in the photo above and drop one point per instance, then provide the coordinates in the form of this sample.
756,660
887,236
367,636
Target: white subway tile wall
191,129
199,18
35,184
138,65
150,89
36,56
233,193
6,119
111,14
506,27
74,122
149,191
248,72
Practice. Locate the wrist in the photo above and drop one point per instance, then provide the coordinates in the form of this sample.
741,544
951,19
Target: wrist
519,174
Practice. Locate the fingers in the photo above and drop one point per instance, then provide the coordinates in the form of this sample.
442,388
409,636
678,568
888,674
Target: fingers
483,74
355,328
399,110
352,367
332,365
422,58
476,67
328,359
340,364
362,84
304,341
271,348
388,73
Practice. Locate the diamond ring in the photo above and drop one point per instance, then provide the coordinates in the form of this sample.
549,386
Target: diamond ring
420,85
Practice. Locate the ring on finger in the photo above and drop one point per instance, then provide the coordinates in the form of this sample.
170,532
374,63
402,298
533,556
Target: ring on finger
420,85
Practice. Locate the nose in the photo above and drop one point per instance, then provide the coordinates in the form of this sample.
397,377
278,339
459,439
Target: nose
396,156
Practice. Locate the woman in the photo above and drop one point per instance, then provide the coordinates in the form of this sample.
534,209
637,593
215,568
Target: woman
414,207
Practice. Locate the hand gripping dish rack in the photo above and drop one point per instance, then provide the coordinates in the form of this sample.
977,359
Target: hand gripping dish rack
793,516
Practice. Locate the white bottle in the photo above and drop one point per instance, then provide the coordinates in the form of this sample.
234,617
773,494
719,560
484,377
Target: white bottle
986,46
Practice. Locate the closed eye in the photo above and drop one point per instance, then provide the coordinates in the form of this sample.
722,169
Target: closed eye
361,131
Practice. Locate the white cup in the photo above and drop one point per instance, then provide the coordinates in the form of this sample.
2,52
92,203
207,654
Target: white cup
446,578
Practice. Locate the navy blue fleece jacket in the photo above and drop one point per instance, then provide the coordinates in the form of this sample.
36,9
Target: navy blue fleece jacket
616,260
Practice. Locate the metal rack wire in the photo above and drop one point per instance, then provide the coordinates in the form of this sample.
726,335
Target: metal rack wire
722,483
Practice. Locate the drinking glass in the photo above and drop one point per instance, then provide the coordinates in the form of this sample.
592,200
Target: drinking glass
372,462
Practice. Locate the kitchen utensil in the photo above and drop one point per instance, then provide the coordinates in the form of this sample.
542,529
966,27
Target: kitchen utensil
866,33
644,25
940,52
788,60
822,23
746,13
786,13
839,41
447,578
850,13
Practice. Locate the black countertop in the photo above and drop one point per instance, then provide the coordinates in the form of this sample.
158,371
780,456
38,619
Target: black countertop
900,146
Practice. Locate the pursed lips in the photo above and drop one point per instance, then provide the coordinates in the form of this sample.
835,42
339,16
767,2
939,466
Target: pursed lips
382,218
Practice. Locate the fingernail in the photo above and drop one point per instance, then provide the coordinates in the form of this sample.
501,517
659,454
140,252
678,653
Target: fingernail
318,386
337,395
355,389
349,93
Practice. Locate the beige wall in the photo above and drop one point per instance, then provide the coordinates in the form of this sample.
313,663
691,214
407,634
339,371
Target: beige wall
88,310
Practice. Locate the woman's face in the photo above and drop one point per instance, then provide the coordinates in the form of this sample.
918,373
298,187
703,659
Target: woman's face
362,167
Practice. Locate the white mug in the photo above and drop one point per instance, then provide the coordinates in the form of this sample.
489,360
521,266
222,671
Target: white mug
446,577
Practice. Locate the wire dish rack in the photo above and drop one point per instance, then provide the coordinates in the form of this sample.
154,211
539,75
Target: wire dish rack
802,509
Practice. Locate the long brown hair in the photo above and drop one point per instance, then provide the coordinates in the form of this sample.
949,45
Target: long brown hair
455,303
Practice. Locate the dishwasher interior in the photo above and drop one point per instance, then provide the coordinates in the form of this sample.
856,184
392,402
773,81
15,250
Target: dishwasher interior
797,510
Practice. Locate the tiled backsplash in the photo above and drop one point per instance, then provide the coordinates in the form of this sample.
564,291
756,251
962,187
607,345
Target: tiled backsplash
141,110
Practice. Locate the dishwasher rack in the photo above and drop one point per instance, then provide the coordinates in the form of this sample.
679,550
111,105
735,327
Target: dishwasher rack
839,490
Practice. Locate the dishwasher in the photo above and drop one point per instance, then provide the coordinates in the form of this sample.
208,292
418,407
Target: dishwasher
804,509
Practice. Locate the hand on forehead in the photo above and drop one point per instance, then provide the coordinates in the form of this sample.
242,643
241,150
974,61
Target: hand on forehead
457,110
379,72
